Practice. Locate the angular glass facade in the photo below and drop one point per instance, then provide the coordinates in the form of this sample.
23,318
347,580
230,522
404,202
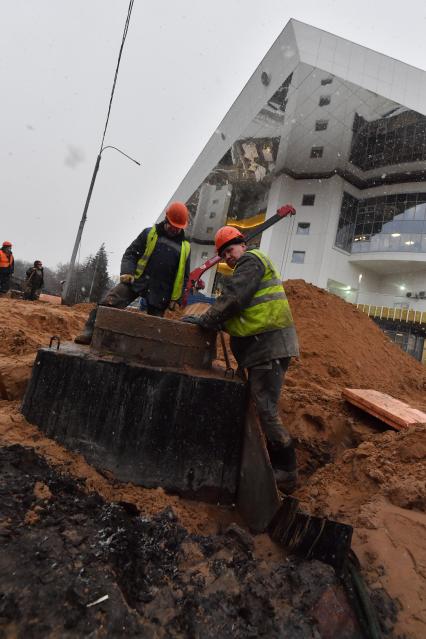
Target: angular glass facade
351,161
364,138
319,125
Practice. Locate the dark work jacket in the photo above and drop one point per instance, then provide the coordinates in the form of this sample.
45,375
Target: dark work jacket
34,278
156,283
237,295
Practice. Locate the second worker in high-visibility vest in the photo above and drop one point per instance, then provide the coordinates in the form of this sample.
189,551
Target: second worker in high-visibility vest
155,266
254,310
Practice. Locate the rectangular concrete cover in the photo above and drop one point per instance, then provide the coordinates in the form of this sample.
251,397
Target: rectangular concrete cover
150,426
155,341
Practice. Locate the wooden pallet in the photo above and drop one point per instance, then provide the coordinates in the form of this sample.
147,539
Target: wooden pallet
386,408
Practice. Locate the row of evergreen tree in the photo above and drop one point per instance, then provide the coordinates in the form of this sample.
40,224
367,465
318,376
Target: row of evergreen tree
90,281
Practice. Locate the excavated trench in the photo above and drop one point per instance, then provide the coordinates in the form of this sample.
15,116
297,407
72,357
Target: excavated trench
171,569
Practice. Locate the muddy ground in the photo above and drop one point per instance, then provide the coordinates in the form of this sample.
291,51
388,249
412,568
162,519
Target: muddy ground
76,565
352,468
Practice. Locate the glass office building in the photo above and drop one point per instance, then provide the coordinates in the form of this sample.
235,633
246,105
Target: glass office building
339,131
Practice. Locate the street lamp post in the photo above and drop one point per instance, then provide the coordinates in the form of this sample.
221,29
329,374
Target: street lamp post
66,289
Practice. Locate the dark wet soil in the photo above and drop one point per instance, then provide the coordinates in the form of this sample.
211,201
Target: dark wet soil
63,550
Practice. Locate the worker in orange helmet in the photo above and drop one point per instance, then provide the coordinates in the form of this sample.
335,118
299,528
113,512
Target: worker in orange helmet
254,310
155,267
7,265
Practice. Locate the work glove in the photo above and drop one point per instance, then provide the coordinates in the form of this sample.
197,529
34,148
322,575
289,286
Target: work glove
126,278
287,209
193,319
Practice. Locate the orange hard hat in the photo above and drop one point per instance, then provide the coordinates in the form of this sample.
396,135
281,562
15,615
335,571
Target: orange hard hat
226,236
7,243
178,215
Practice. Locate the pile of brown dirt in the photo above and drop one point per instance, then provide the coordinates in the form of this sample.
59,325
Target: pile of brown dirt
340,346
25,327
352,468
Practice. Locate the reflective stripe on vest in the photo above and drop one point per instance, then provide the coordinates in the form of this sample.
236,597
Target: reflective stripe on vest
268,310
6,260
151,242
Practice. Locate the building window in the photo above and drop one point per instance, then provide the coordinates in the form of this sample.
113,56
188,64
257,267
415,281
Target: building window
303,228
317,151
395,222
392,139
308,200
325,81
218,187
324,100
209,229
298,257
212,215
215,201
321,125
204,255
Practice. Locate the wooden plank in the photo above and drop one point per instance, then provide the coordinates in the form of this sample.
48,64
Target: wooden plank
392,411
196,309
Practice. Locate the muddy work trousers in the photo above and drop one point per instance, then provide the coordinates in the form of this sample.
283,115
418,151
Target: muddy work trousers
265,383
32,294
4,282
120,297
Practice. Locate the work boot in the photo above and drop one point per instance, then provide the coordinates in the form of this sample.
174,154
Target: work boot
282,454
86,336
286,480
284,465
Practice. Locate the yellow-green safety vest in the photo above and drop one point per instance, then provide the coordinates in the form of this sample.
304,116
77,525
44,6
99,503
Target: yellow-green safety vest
151,241
268,310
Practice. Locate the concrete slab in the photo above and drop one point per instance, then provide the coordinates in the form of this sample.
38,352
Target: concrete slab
151,426
155,341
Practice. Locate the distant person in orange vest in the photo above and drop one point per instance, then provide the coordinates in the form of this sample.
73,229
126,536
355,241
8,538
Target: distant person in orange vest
34,281
6,266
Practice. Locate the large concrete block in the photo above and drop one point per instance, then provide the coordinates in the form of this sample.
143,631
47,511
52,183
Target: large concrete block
150,426
155,341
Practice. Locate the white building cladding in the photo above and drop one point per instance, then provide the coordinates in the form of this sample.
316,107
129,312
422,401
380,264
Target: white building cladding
339,131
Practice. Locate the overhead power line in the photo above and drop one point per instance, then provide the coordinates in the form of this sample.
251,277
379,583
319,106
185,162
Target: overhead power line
66,290
126,28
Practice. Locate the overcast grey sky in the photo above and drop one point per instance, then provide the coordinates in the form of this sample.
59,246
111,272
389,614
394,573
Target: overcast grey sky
184,63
